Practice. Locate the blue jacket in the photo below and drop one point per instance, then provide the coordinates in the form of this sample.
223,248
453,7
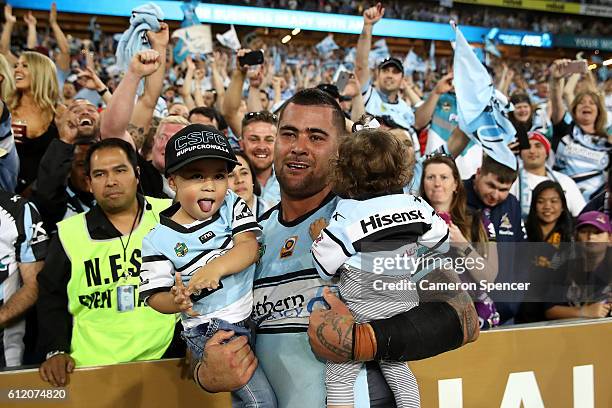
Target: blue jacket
510,232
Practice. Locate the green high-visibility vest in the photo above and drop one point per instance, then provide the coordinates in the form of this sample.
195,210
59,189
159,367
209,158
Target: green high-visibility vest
101,334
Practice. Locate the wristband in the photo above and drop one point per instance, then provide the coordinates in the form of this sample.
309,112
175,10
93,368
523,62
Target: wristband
54,353
103,91
364,342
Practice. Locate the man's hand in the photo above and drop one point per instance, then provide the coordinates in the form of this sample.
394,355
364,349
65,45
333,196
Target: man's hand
67,125
145,63
53,14
56,369
316,227
160,38
373,15
241,53
352,88
226,365
8,14
330,332
445,84
181,296
89,79
29,19
557,69
596,310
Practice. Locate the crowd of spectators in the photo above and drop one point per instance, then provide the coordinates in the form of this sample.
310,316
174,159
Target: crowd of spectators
72,119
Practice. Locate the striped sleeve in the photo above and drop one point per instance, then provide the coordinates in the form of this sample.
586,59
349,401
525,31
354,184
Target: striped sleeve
31,245
243,219
156,272
330,251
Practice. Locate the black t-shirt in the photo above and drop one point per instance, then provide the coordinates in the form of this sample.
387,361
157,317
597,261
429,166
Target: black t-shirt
151,180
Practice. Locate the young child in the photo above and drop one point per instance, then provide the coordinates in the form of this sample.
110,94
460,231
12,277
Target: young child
374,216
207,240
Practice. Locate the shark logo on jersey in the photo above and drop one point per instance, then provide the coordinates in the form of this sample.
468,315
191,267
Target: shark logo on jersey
245,212
181,249
207,236
288,247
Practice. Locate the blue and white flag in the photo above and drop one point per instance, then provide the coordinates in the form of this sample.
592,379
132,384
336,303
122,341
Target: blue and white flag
181,49
229,39
432,56
379,53
413,63
326,46
482,110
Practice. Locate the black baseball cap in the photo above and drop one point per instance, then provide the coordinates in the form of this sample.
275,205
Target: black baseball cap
331,89
195,142
394,62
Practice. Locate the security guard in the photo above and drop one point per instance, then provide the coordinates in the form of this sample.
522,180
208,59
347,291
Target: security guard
89,312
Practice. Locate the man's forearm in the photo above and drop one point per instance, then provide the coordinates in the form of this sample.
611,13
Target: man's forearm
364,45
63,58
424,113
154,83
117,116
19,303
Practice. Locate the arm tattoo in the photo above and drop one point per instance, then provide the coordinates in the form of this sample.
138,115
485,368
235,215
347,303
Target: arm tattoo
460,300
337,325
138,135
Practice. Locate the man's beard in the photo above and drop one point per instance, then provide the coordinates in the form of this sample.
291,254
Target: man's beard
308,186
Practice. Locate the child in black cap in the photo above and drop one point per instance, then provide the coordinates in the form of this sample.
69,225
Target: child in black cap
206,240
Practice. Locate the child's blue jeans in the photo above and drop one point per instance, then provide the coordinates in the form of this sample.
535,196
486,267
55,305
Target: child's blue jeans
257,393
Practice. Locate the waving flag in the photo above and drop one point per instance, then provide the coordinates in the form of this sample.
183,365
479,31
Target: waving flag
481,109
326,46
229,39
413,62
432,56
190,18
379,53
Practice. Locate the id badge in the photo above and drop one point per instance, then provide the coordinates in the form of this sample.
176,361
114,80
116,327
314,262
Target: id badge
125,298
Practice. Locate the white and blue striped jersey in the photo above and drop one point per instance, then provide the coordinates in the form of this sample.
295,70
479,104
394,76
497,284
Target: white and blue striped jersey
22,240
377,104
171,248
583,157
361,231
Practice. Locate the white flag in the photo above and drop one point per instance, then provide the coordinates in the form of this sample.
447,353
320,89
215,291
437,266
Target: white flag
229,39
196,39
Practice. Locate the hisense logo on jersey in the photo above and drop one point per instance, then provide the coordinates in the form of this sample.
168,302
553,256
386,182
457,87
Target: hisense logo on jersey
377,221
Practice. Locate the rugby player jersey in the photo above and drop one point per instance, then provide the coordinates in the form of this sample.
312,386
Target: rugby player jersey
287,289
271,191
171,247
585,158
377,104
360,230
22,240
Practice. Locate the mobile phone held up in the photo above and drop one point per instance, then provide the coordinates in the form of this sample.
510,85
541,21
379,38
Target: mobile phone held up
252,58
342,80
576,67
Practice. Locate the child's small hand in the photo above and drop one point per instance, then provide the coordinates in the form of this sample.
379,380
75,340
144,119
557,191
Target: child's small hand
316,227
203,279
181,296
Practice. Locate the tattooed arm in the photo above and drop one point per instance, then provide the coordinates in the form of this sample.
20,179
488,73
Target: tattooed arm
443,321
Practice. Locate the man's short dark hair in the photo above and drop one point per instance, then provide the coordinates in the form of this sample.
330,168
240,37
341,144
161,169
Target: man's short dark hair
109,144
504,173
261,116
316,97
210,113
